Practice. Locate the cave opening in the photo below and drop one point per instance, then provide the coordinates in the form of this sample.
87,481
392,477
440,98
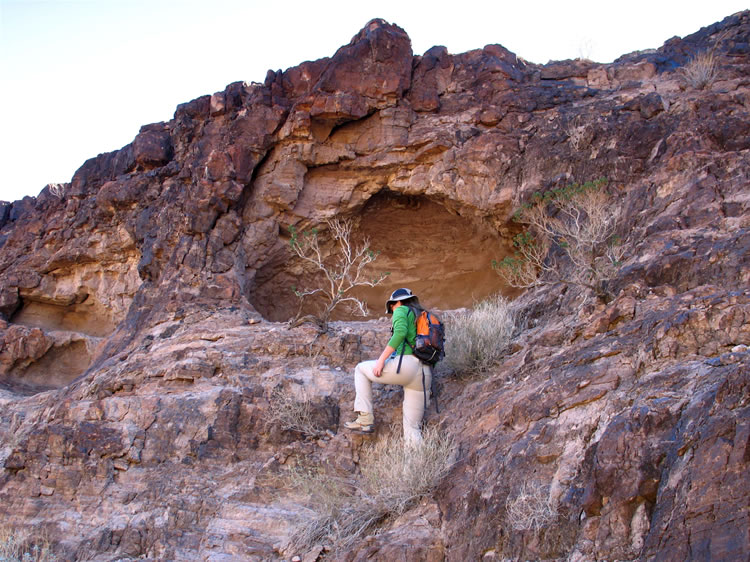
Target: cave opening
443,256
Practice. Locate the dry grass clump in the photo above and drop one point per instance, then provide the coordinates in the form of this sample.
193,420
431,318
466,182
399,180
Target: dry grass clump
394,476
701,70
292,414
17,546
476,339
530,508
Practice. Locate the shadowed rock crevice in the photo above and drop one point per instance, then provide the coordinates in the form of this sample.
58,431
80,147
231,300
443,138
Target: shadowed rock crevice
62,315
57,344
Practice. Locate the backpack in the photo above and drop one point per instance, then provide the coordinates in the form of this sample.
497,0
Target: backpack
429,346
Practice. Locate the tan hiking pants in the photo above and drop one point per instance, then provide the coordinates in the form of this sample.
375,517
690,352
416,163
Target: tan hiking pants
410,377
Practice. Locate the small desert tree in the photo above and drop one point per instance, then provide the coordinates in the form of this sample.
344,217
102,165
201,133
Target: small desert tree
577,223
343,270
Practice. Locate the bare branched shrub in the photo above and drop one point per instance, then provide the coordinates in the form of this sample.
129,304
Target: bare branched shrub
530,509
19,547
578,135
395,475
342,272
577,223
478,338
57,189
292,414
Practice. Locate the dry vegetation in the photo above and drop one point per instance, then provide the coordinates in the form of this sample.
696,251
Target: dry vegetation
345,269
17,546
477,339
700,71
576,223
530,508
291,414
394,476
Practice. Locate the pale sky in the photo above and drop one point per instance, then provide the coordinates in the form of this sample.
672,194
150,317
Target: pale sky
80,77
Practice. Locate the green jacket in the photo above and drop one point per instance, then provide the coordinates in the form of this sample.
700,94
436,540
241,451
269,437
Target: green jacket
404,329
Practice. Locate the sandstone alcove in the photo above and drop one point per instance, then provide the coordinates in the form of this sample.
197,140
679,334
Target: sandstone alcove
72,327
72,332
441,255
88,317
60,366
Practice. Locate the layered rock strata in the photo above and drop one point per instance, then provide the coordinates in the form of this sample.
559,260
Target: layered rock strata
142,337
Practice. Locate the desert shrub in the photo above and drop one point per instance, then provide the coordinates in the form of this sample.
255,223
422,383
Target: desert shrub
19,547
394,476
476,339
57,189
345,269
396,473
700,71
530,508
576,223
293,414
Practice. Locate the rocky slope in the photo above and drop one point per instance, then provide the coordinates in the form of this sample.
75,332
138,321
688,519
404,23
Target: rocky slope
142,340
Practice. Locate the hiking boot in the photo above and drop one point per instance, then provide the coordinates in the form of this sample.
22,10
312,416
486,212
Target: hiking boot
365,423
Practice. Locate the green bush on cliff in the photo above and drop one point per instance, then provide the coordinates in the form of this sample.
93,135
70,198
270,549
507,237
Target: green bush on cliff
575,224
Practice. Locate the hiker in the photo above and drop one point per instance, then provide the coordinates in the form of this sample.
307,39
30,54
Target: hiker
396,365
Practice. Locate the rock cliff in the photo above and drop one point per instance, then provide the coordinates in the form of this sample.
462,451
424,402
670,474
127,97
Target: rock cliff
142,334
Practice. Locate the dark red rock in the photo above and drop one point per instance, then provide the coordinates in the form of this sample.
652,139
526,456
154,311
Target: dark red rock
152,147
431,74
100,169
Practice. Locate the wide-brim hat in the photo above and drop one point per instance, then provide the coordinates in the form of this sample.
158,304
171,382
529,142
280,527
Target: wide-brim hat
400,295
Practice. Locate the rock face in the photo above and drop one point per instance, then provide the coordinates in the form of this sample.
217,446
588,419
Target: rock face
141,343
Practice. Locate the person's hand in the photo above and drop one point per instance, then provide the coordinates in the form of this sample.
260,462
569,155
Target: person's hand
377,370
